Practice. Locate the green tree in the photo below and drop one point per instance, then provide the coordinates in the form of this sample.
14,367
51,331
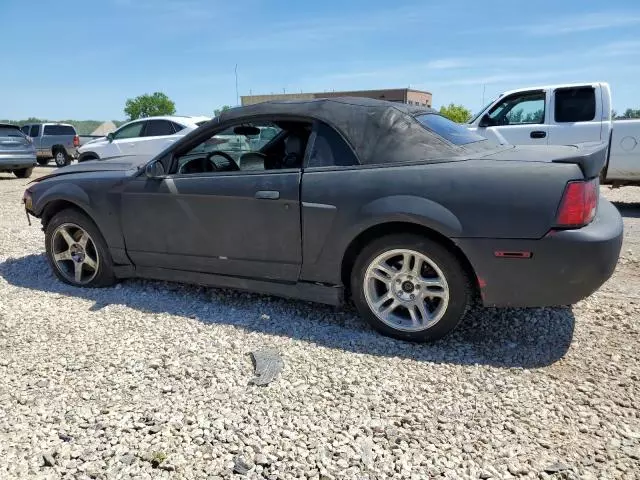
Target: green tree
218,111
149,106
631,113
456,113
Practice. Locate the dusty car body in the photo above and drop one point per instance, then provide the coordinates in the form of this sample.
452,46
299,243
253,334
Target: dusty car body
407,213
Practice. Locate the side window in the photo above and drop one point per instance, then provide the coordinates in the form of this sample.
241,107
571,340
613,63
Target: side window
330,149
520,109
177,127
158,128
248,146
35,131
132,130
25,129
58,130
575,104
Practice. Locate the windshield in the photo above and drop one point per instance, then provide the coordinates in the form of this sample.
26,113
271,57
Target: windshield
473,119
451,131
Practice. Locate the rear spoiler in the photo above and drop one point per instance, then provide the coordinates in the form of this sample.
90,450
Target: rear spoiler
589,157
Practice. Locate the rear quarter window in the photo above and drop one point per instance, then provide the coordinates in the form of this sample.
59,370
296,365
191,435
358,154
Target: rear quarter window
450,131
575,105
59,130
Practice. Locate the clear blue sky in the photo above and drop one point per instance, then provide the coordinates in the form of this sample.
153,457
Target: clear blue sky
82,59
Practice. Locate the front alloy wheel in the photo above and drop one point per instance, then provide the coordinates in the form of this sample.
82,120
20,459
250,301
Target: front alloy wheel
74,253
410,287
76,250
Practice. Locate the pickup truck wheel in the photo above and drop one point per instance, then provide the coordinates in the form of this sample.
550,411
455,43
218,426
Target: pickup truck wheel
77,251
410,287
61,158
43,161
23,172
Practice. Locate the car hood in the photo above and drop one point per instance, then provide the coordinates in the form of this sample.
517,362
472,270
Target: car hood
123,163
94,140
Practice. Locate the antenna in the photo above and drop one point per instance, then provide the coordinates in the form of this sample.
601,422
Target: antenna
237,96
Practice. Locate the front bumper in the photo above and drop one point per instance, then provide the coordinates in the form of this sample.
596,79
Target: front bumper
565,266
9,162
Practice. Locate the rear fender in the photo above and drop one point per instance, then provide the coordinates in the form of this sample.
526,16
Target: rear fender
412,209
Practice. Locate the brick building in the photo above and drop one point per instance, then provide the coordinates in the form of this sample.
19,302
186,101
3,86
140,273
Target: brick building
400,95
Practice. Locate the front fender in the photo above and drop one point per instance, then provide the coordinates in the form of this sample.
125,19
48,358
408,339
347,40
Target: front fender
67,192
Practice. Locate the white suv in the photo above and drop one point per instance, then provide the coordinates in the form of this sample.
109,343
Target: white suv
145,136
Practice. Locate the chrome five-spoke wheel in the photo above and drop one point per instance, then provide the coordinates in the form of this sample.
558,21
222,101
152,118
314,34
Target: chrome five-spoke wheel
406,290
74,253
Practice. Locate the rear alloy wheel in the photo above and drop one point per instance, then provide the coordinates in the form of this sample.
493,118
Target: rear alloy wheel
61,158
410,287
23,172
77,252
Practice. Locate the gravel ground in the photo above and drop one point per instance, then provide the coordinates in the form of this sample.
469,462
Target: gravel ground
152,380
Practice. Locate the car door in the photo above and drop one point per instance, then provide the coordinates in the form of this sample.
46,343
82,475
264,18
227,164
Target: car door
124,140
243,223
519,119
156,136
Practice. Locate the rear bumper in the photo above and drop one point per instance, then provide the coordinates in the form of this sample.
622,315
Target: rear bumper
565,266
10,162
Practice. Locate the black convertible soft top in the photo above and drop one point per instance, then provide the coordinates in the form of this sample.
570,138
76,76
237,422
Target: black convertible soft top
379,131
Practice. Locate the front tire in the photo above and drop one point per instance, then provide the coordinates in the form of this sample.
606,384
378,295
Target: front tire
87,157
410,287
61,158
43,162
23,172
77,251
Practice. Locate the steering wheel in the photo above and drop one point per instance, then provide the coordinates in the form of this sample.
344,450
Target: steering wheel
226,156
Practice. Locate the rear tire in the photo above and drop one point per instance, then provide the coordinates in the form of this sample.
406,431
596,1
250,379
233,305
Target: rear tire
23,172
43,161
422,300
77,251
61,158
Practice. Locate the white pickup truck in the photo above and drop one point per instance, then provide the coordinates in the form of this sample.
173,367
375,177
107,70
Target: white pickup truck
564,115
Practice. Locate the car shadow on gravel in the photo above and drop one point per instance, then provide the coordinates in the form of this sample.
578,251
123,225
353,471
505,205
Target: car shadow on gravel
629,210
507,338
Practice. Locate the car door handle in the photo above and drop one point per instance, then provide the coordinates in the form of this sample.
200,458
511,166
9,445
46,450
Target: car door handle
267,195
538,134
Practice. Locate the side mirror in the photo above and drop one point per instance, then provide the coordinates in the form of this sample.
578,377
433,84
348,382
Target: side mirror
110,137
486,121
154,170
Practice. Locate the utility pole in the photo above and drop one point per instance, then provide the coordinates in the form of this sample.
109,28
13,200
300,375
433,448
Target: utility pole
237,96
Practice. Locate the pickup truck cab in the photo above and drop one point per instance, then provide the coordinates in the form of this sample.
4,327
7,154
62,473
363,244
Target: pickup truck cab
566,114
53,140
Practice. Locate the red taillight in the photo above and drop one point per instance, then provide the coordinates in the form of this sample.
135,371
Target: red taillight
76,141
579,203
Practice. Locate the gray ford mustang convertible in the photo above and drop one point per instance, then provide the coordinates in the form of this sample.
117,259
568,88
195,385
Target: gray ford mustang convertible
410,215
